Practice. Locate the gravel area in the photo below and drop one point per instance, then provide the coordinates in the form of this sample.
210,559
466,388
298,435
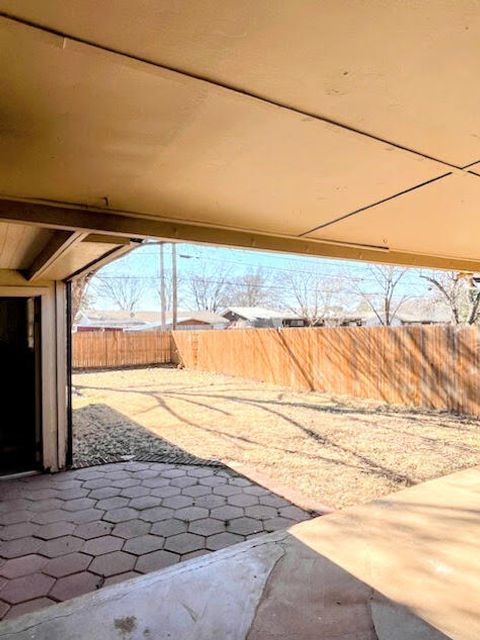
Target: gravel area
102,435
337,451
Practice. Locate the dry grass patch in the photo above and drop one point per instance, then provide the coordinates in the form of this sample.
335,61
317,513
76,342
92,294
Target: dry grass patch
337,451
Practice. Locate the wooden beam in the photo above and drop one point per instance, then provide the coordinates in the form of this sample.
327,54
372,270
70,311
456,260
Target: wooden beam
126,224
58,245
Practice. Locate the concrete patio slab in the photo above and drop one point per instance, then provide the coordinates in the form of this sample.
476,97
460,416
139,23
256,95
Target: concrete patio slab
67,534
402,568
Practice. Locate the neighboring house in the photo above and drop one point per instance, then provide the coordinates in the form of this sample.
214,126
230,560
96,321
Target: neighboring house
401,319
340,320
147,321
187,320
438,316
104,321
259,317
371,319
91,320
414,311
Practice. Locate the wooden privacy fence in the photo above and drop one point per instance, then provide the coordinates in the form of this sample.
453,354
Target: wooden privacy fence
434,367
103,349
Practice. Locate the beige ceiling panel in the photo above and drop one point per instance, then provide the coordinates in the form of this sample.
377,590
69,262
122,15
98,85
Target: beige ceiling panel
89,127
406,71
20,244
442,218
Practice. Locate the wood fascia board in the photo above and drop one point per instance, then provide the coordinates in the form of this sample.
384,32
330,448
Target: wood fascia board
123,224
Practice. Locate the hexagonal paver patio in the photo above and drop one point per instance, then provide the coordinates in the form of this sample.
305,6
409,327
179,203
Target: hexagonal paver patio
66,534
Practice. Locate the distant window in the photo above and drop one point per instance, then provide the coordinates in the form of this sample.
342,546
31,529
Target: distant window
296,323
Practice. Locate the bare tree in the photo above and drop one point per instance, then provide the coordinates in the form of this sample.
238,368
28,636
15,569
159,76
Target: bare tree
124,291
458,292
81,296
252,289
209,288
383,298
314,296
169,289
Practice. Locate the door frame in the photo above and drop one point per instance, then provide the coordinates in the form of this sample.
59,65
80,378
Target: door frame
69,373
53,367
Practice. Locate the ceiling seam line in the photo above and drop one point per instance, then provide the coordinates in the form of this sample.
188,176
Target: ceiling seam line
374,204
471,164
228,87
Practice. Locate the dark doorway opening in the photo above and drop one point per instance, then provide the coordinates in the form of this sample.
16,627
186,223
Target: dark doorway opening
20,380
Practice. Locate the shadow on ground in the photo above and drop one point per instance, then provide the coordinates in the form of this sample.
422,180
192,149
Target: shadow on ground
336,450
101,435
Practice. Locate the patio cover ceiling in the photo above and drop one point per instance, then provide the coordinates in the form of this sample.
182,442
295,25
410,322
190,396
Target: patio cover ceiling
339,128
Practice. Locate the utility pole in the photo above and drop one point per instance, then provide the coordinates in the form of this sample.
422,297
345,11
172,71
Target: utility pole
174,286
162,287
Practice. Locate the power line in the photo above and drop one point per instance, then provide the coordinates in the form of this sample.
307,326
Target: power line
341,276
325,261
335,276
251,285
238,282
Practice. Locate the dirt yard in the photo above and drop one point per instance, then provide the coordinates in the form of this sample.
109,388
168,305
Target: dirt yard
337,451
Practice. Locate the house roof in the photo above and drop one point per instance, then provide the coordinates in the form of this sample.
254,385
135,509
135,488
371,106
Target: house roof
201,316
343,145
422,314
144,318
120,315
436,315
256,313
105,319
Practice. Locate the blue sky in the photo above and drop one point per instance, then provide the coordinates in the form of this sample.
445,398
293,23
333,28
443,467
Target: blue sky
142,265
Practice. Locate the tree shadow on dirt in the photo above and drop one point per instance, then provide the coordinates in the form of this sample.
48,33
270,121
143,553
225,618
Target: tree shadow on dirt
357,460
